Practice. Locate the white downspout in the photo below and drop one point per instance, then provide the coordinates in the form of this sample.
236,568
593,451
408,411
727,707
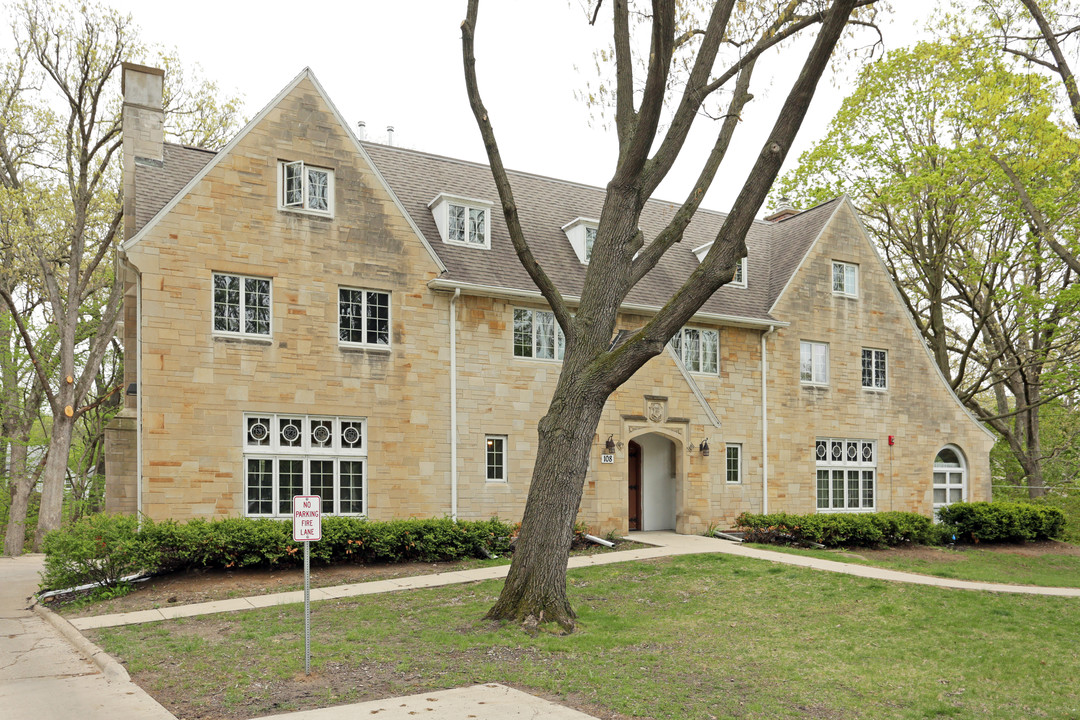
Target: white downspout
138,398
765,425
453,404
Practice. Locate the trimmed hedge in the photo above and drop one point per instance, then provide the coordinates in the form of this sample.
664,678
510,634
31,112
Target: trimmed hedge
837,529
1003,521
104,548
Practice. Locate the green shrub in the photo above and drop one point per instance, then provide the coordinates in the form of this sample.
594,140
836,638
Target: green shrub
96,549
81,555
1003,521
836,529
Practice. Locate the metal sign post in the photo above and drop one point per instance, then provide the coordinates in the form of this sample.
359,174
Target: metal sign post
307,528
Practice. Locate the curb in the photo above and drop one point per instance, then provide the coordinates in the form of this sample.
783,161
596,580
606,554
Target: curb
113,670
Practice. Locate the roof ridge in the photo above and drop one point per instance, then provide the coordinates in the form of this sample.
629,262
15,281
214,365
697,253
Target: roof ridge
538,176
190,147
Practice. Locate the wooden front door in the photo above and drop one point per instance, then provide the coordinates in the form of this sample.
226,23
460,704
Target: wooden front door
634,485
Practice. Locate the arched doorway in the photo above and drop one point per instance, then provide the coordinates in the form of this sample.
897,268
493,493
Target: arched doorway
651,482
950,477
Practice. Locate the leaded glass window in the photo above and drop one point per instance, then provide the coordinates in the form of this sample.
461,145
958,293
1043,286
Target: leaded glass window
874,369
537,335
590,240
363,316
846,474
467,225
306,188
698,349
236,297
845,279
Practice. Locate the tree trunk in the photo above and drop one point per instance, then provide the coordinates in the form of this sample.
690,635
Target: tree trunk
22,483
53,478
535,589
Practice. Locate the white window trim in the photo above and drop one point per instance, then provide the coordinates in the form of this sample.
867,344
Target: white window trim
276,452
505,451
381,347
264,337
304,209
858,465
739,459
532,326
742,267
576,231
873,370
701,350
813,381
846,292
440,210
962,470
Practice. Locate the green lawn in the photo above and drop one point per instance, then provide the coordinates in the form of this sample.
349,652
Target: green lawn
706,636
1049,570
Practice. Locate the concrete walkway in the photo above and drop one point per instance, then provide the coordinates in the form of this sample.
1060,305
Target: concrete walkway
45,671
665,544
42,675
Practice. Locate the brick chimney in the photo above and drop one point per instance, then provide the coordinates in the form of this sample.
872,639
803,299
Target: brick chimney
143,128
783,210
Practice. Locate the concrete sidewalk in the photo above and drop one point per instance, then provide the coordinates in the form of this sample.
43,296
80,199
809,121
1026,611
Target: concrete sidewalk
42,675
665,544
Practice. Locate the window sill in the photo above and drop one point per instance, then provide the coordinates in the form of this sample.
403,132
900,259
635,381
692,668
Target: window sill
363,349
244,339
847,296
494,482
814,386
308,213
475,246
877,391
842,511
540,360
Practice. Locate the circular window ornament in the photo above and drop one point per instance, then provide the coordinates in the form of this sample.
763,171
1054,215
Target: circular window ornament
821,451
258,431
290,433
351,435
321,434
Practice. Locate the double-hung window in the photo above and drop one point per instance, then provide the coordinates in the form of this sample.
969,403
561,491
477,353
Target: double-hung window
845,279
495,458
537,335
241,305
307,188
698,349
363,317
846,474
813,363
874,369
287,455
733,460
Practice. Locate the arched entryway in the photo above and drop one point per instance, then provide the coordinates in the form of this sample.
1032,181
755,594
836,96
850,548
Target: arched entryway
651,482
950,477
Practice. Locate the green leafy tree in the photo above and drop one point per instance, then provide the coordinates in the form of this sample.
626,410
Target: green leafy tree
59,167
931,147
696,52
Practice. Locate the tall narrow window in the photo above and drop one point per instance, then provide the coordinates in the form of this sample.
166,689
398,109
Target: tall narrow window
740,274
590,240
845,279
495,454
363,317
874,369
537,335
306,188
698,349
813,363
241,305
734,463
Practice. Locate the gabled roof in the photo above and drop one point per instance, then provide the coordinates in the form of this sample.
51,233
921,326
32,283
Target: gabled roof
545,205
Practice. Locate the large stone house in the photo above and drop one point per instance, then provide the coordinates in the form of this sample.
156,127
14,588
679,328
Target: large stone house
307,312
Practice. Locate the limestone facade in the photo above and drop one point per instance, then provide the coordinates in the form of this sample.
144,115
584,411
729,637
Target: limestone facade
182,448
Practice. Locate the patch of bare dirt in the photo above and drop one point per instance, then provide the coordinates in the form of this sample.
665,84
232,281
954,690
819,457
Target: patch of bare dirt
929,552
198,586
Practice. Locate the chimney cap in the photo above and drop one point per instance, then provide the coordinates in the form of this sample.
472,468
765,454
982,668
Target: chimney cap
783,210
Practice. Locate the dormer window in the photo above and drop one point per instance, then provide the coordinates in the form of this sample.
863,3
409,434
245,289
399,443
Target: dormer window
740,274
305,188
581,232
462,221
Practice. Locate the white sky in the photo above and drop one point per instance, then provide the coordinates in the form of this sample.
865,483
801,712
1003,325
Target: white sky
399,63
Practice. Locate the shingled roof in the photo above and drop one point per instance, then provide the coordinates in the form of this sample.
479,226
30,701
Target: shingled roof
545,205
